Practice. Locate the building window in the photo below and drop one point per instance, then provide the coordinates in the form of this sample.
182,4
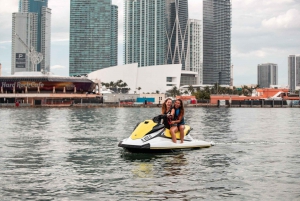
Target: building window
169,79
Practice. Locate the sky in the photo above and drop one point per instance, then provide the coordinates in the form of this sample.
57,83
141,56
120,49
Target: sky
263,31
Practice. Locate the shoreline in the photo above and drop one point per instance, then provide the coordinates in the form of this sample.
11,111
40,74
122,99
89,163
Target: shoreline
87,105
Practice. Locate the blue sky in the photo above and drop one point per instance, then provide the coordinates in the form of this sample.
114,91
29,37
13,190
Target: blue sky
263,31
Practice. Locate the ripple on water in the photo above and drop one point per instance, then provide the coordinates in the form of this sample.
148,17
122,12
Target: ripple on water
72,154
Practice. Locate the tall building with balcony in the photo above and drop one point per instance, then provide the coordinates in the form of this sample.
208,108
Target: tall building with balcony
267,74
294,72
145,32
194,59
93,32
177,16
31,28
216,42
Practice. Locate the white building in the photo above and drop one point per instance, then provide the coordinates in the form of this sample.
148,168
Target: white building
31,37
24,36
194,61
149,78
46,38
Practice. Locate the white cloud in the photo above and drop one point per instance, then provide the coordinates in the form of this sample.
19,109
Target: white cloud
9,41
8,6
57,67
289,20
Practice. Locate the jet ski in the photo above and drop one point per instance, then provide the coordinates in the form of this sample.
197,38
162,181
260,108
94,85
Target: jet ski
153,136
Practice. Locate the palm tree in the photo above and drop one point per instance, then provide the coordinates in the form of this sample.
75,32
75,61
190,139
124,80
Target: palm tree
190,89
174,91
139,88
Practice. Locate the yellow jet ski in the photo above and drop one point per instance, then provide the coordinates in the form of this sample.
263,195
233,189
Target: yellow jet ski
151,135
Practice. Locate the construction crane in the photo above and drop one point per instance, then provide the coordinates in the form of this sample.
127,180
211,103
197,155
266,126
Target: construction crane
35,57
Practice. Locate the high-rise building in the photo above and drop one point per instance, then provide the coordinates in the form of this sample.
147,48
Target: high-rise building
177,15
145,32
293,72
92,36
267,74
216,41
31,34
194,59
114,35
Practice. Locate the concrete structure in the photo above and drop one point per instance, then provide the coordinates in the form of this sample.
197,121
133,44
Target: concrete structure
177,30
150,79
194,59
216,41
33,25
267,74
144,32
92,36
294,72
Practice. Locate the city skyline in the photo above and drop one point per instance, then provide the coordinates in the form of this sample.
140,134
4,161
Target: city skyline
262,32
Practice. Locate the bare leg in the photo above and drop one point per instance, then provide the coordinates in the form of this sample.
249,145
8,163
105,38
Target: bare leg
181,128
173,130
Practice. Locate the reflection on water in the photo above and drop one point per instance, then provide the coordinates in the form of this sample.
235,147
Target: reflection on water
72,154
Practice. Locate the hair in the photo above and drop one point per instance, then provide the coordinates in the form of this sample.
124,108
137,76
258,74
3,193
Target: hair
164,106
181,107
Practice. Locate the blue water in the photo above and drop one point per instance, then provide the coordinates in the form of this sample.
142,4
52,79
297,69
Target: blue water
72,154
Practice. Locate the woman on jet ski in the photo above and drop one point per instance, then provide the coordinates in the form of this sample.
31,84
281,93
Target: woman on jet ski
166,109
178,120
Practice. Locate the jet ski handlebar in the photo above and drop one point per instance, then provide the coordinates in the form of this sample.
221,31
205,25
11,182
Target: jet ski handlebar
158,118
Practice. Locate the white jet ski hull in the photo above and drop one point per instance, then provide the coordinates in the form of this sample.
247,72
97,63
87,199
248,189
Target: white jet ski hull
158,142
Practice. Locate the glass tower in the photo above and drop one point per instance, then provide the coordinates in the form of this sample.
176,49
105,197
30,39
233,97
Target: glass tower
33,26
145,32
177,28
92,36
217,42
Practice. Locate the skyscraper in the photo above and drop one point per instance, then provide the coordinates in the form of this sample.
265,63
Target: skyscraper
92,36
177,29
267,74
145,32
194,49
114,35
31,28
216,41
293,72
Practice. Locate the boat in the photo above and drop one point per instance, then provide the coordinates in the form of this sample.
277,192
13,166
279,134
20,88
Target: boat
152,136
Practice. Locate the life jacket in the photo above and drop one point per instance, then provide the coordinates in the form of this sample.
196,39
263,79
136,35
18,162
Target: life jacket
176,115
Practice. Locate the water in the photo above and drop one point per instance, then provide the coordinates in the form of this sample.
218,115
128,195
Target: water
72,154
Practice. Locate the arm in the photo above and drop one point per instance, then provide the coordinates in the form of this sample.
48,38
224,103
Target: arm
172,113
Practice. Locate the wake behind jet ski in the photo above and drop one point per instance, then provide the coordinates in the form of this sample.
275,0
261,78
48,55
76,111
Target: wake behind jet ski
151,135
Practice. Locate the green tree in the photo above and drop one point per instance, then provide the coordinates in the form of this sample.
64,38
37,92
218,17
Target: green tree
190,89
174,92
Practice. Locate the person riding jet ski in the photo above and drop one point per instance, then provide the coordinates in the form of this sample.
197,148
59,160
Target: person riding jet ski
152,135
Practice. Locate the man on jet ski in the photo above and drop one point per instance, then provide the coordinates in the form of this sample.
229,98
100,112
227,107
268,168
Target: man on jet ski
178,121
166,111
